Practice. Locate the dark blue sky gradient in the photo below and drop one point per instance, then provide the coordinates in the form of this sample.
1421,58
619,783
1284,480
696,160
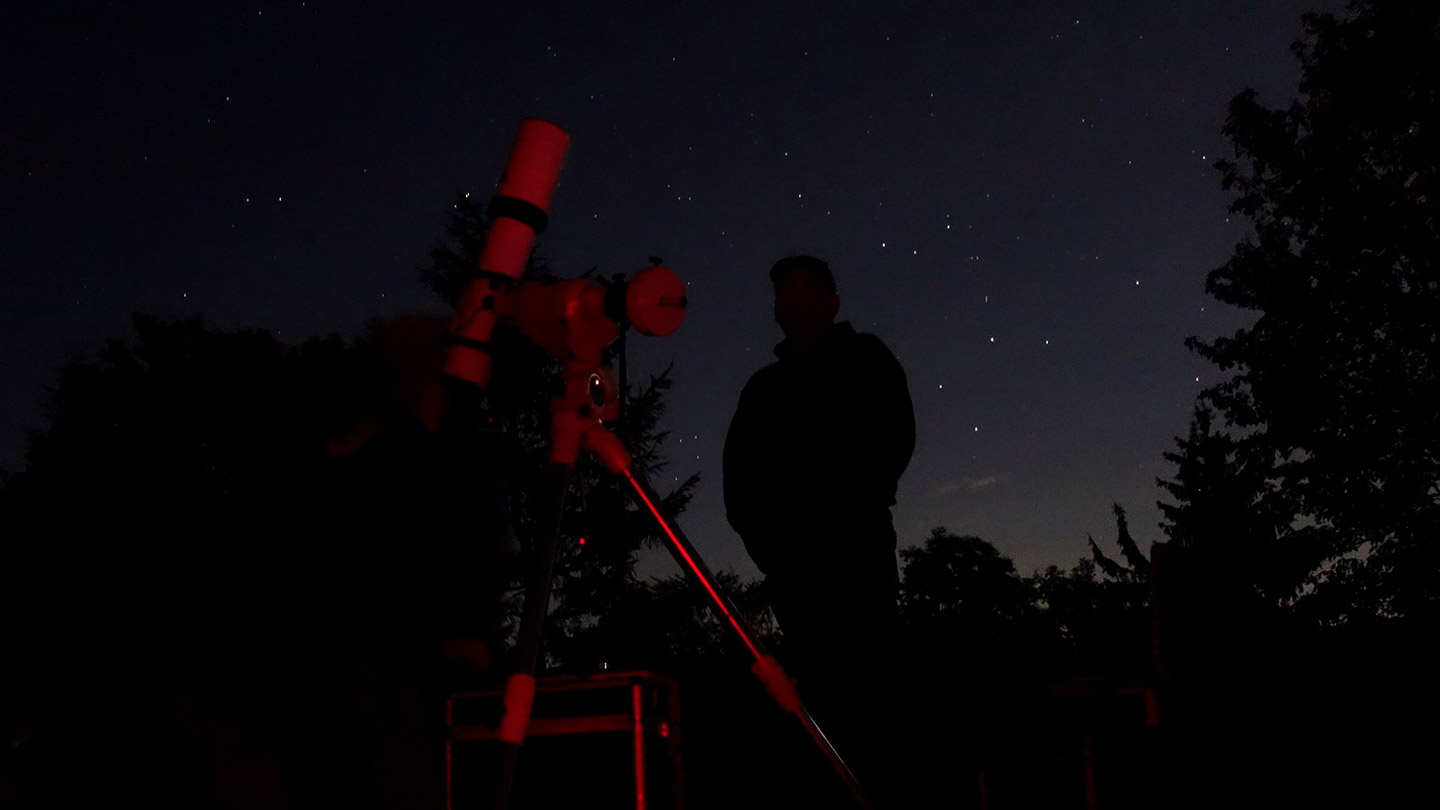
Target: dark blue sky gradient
1019,198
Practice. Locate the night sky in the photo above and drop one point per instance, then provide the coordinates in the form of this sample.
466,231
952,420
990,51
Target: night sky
1017,197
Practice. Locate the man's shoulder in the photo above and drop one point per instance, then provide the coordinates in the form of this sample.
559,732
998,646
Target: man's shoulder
765,376
871,346
870,341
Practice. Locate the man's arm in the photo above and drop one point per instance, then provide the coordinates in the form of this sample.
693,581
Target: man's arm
742,476
901,415
887,440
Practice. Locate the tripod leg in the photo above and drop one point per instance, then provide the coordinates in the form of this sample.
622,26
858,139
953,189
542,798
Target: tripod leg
765,667
520,688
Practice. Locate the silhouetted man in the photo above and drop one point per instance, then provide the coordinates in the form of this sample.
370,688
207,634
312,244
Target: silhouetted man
811,462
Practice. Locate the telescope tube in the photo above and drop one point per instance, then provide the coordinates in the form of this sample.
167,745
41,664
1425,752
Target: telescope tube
519,211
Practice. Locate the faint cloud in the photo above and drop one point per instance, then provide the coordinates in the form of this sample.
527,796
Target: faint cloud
945,489
964,485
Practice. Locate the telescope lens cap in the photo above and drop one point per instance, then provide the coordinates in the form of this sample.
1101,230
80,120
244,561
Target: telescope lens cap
655,301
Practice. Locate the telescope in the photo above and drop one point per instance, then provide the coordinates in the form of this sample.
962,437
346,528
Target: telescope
575,320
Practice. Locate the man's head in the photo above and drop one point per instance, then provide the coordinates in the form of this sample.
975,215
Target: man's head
805,299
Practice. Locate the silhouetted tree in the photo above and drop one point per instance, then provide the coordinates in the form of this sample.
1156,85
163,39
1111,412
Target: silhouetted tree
973,668
1070,604
1232,524
598,578
160,472
186,489
970,625
666,625
175,567
1334,391
1096,615
1139,566
962,586
1107,566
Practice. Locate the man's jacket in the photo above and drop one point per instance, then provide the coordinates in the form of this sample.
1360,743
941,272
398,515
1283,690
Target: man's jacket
814,452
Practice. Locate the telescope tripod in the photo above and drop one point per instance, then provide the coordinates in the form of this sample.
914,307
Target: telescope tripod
575,320
589,397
